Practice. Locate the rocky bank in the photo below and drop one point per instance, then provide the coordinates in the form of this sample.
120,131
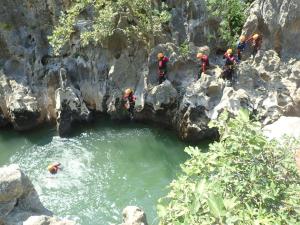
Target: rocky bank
20,204
19,201
36,87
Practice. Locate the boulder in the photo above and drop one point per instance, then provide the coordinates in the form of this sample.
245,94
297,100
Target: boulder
284,126
46,220
19,105
133,215
162,96
70,108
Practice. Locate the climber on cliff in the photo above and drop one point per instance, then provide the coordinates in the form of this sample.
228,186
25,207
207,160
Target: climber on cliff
204,63
129,101
241,46
230,62
54,167
162,67
256,42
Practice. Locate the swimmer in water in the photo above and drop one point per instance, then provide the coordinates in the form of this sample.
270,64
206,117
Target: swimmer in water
54,167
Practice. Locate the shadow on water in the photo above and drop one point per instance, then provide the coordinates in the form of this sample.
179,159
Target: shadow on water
47,131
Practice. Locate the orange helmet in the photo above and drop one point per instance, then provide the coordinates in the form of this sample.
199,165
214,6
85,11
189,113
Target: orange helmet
52,169
255,36
242,38
199,55
127,92
160,55
229,51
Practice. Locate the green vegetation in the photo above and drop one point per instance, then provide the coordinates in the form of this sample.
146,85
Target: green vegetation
137,18
6,26
184,49
232,14
243,179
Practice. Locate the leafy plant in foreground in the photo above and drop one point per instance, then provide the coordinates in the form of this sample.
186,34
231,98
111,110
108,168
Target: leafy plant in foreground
243,179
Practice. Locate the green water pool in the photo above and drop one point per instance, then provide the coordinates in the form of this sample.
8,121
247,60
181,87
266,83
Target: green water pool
106,166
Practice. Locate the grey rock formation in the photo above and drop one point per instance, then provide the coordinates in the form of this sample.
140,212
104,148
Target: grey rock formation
279,23
19,201
70,106
34,88
285,126
133,215
46,220
18,104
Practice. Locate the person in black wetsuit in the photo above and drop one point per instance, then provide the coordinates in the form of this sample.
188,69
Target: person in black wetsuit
130,102
230,62
241,47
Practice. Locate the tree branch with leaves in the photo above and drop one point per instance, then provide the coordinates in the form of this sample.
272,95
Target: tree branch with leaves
144,20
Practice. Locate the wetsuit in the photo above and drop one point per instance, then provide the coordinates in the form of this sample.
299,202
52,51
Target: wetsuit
229,66
240,48
131,99
256,44
204,65
162,69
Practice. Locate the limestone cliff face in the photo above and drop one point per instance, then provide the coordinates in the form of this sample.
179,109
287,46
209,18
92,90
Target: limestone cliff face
36,87
279,22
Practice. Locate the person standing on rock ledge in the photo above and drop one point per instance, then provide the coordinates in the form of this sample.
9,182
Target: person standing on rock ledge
241,47
204,63
230,62
130,102
256,40
162,67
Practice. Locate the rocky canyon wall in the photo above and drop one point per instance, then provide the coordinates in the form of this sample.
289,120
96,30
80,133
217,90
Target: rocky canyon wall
36,87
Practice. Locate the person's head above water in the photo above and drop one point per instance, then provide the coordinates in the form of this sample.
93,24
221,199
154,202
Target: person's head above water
53,167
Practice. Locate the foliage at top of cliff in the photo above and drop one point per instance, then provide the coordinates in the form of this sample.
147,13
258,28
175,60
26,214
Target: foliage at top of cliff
100,19
232,15
243,179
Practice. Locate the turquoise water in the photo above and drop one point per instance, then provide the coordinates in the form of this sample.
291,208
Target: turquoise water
106,167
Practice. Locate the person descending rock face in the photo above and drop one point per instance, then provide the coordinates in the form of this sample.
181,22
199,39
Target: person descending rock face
241,46
230,62
162,67
256,40
54,167
130,102
204,63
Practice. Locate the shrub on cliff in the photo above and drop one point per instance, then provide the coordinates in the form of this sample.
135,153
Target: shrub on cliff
100,18
243,179
232,15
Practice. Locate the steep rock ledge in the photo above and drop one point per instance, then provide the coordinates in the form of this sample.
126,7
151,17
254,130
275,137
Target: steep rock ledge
33,88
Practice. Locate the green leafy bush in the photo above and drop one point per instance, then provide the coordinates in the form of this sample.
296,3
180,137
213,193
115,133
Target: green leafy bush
184,49
143,19
243,179
232,15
